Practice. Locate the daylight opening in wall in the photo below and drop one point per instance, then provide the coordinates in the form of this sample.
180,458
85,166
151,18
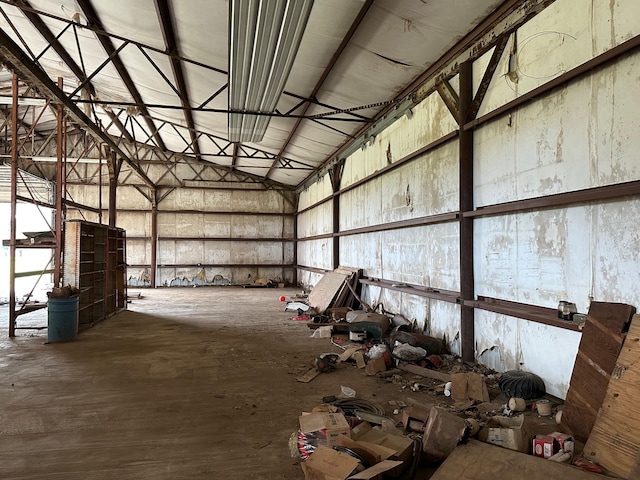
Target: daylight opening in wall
34,240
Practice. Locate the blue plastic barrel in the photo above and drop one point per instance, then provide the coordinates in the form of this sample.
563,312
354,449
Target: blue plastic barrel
62,319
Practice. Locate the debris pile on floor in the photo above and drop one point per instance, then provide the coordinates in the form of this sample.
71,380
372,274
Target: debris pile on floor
468,406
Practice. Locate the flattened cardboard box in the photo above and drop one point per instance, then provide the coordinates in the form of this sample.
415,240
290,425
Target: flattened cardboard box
327,464
415,418
401,446
507,432
333,424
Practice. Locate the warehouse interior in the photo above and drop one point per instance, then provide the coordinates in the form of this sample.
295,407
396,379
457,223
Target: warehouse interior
475,160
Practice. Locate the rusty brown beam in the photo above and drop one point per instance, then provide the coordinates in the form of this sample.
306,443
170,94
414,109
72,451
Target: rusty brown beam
60,188
12,220
164,13
587,195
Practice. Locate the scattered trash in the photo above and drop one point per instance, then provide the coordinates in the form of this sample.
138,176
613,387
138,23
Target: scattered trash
347,392
322,332
326,362
463,400
543,407
507,432
442,433
308,375
377,351
414,418
586,464
375,366
447,389
431,344
296,306
407,352
517,404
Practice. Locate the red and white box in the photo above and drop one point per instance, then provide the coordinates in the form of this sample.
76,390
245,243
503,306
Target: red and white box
565,441
545,446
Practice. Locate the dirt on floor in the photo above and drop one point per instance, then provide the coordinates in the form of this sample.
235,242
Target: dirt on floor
188,383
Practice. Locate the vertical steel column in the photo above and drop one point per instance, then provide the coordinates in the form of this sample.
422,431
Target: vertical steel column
14,199
57,261
467,290
113,184
295,243
99,183
336,176
154,237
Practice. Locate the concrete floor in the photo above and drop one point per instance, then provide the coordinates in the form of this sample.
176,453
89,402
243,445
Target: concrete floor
189,383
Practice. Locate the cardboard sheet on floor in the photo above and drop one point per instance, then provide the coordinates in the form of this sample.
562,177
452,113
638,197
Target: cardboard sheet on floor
614,442
481,461
307,376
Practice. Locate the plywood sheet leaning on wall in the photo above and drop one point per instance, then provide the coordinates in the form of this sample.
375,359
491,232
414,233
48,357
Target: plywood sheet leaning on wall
326,290
600,345
614,442
481,461
332,289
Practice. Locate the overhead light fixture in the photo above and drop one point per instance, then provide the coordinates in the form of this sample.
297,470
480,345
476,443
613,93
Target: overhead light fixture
264,36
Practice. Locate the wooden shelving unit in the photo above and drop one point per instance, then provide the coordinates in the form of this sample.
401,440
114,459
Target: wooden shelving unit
95,263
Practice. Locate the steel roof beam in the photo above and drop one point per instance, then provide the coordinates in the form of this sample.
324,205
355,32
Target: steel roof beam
107,44
164,13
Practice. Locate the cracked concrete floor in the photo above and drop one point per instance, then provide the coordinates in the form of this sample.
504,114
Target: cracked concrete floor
188,383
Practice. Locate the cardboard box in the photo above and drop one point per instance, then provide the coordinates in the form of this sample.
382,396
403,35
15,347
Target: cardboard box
507,432
544,446
401,448
371,452
441,434
327,464
415,418
332,425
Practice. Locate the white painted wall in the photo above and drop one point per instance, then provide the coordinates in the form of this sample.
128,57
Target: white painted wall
135,218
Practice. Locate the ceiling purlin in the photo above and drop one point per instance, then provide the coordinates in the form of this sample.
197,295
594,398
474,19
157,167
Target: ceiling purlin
107,44
251,152
164,14
345,41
